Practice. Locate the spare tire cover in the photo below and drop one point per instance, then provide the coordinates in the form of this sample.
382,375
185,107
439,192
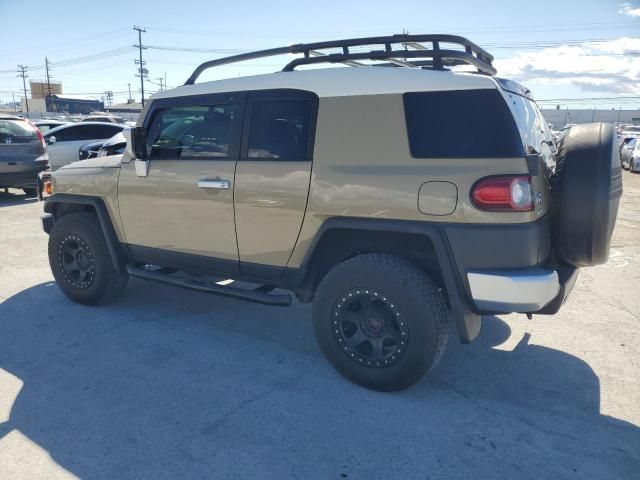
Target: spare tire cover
586,190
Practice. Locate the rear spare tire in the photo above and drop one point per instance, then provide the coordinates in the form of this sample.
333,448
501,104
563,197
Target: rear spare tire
586,191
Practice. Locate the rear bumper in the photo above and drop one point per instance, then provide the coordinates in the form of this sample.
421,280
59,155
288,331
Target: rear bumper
21,179
533,290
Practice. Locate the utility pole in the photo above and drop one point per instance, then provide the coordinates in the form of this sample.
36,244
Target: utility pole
130,99
46,66
140,62
109,95
160,79
22,72
15,107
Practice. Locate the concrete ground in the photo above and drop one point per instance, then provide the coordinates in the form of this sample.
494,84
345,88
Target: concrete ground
169,383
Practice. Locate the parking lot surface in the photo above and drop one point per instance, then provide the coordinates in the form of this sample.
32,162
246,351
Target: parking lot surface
168,383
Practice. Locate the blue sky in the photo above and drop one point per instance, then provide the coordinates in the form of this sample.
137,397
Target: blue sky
568,49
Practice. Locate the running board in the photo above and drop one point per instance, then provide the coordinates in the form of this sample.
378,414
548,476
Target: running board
258,295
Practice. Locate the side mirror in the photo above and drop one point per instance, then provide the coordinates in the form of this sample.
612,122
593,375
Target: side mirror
51,139
136,149
136,142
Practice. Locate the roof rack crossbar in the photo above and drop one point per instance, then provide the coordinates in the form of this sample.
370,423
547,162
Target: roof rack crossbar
439,58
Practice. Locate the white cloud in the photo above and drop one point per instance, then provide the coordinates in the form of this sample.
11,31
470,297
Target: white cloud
611,67
628,10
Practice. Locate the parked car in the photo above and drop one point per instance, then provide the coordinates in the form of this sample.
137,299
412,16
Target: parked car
64,142
630,156
90,150
626,150
23,154
114,146
104,118
630,130
403,225
45,125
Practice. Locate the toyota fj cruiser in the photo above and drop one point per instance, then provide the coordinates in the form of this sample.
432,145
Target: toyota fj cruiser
353,188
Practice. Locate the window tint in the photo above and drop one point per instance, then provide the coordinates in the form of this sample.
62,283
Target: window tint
16,131
279,129
102,131
192,132
466,123
69,134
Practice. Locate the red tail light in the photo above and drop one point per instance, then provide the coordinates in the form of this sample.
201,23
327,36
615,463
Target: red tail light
509,193
40,137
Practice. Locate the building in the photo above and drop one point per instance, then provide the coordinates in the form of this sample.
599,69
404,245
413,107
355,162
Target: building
560,117
40,88
78,104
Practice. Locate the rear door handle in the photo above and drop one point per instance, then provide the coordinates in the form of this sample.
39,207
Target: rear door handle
217,184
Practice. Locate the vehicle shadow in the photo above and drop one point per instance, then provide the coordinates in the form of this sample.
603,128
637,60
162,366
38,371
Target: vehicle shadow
15,197
168,383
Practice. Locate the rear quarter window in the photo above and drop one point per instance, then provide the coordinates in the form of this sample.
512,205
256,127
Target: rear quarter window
460,124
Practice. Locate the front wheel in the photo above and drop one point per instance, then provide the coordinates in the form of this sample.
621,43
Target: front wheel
80,261
381,321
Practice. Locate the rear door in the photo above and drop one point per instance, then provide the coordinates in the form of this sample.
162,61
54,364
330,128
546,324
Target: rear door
272,178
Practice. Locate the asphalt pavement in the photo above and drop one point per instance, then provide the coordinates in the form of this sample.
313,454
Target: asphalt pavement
170,383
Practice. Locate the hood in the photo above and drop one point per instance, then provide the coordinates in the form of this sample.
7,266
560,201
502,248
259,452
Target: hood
112,161
115,140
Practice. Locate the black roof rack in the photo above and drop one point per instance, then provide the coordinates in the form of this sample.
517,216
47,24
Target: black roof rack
412,53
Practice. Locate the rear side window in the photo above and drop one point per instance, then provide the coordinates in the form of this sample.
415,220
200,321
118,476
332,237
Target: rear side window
279,129
16,131
196,131
99,131
465,123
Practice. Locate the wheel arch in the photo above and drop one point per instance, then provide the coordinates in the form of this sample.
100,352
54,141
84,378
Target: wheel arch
424,244
61,204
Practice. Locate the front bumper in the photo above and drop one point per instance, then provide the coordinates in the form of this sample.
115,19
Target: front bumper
536,289
47,222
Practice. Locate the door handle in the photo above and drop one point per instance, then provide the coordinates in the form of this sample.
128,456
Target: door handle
217,184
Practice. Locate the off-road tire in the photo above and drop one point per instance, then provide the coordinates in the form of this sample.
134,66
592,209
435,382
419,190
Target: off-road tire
412,296
586,191
103,283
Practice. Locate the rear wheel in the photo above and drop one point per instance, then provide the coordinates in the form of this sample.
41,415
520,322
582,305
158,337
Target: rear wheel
381,321
80,261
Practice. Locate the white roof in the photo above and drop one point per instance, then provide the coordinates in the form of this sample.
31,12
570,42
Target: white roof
69,96
343,81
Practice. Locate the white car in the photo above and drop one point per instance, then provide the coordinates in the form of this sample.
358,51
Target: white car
630,130
634,161
65,141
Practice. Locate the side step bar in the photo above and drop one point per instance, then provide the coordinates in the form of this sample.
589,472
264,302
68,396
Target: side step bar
258,295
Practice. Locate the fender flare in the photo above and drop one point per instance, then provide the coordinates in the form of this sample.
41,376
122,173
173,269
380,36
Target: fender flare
116,253
467,321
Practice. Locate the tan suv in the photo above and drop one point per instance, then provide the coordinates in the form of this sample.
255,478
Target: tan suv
394,194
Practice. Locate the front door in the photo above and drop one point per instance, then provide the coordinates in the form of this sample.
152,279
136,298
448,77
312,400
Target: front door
183,209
